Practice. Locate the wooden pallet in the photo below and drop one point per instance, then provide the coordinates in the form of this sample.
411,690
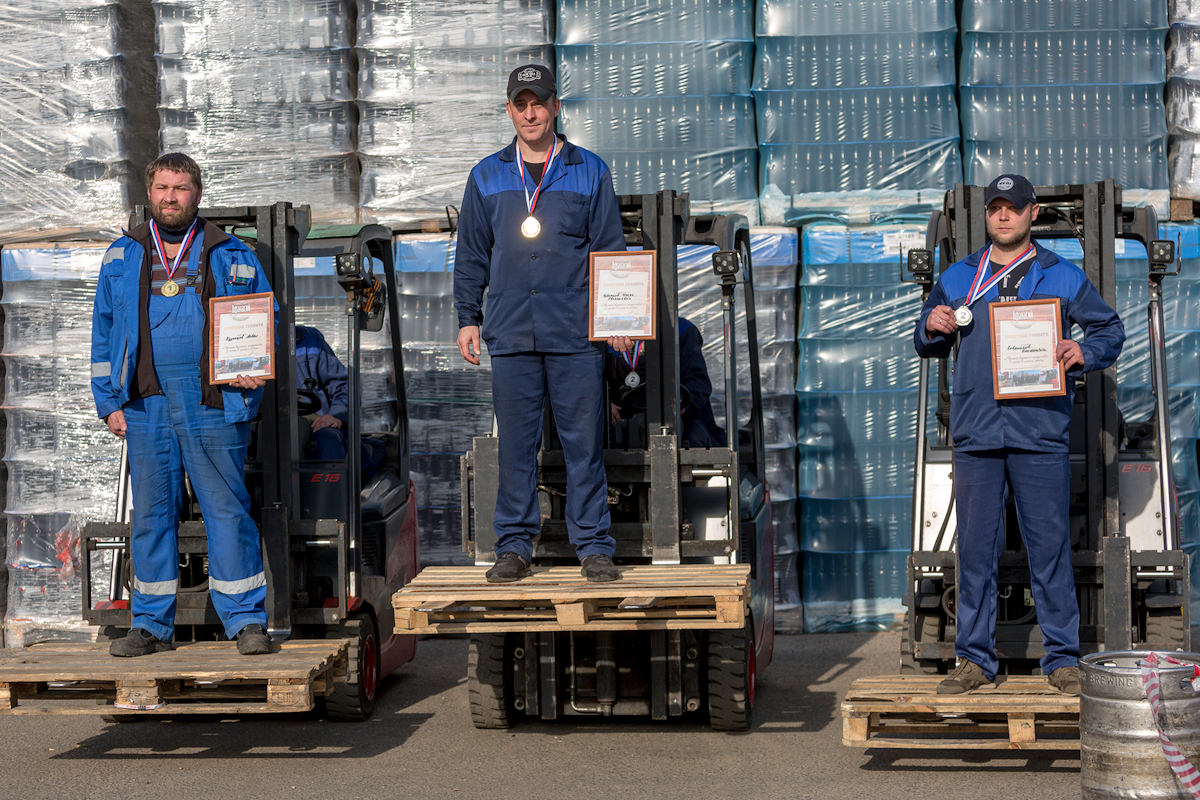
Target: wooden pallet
1009,716
199,678
646,598
1184,209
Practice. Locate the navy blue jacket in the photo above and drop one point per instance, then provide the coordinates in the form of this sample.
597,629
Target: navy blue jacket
977,420
700,427
315,359
537,288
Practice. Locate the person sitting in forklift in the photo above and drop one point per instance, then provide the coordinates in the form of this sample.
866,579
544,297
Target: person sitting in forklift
625,374
531,215
152,389
1020,443
320,372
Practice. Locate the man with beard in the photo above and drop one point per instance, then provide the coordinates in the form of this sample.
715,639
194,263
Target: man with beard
1020,443
150,381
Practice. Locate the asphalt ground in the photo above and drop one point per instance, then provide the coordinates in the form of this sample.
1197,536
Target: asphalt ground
421,744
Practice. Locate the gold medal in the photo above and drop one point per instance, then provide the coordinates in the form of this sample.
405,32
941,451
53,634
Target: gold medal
170,289
530,227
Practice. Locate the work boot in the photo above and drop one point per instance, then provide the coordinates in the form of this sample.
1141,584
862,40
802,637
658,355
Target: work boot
599,569
509,567
138,642
253,641
966,676
1066,680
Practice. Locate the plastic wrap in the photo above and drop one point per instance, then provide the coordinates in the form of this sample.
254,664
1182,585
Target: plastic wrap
431,96
278,75
78,123
1063,15
1184,12
821,17
1062,58
1130,162
855,61
660,69
857,115
636,21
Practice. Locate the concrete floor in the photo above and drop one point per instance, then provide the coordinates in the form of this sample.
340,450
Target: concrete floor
420,743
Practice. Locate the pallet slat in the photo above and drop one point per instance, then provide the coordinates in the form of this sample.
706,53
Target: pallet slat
647,597
1016,714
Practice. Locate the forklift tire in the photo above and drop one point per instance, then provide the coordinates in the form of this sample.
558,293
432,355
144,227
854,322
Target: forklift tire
490,680
1164,631
354,700
731,679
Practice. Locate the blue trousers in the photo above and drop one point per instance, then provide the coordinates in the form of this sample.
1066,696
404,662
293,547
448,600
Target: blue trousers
574,384
168,434
1041,485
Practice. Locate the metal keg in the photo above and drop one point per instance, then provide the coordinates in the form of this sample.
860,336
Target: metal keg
1119,750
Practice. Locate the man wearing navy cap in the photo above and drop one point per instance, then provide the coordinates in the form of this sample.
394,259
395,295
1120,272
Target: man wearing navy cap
1020,443
531,214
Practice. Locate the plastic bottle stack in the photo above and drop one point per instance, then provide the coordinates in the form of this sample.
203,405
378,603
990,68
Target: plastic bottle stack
61,462
449,400
431,82
661,92
277,74
774,256
1183,91
856,107
856,388
1064,92
77,91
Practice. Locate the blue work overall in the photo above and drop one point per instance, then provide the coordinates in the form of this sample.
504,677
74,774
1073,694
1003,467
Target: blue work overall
172,432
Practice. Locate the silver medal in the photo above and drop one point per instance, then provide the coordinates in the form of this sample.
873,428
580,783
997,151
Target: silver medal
963,316
632,380
530,227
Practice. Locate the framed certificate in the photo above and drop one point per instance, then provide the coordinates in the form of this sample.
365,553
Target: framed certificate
1025,336
243,337
621,295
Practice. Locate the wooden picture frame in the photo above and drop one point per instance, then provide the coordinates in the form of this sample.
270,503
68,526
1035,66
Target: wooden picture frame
1025,336
623,295
242,337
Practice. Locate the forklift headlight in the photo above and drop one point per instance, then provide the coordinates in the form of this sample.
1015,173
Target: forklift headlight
725,262
347,265
1162,252
920,262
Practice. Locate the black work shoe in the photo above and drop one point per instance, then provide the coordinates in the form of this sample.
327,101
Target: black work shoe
138,642
1066,680
599,569
253,641
509,567
966,676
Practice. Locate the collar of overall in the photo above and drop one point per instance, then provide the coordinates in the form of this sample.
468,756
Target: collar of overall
531,227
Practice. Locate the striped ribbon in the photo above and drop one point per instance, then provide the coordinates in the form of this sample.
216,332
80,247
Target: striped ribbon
1184,770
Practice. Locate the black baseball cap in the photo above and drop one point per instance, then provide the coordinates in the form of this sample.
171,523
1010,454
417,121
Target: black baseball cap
1014,188
535,78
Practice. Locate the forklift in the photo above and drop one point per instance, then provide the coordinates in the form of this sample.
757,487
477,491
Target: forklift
1131,575
335,545
671,504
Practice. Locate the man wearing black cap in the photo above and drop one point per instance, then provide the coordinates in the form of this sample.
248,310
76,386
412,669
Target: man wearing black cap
1020,443
530,216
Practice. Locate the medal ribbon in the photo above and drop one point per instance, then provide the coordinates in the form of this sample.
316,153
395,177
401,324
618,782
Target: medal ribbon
532,203
162,252
979,288
636,354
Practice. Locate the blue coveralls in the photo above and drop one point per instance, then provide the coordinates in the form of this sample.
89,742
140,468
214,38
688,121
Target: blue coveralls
172,427
536,332
316,360
1017,442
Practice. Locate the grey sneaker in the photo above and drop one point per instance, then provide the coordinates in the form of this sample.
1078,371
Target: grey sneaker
509,567
599,569
966,676
1066,680
138,642
253,640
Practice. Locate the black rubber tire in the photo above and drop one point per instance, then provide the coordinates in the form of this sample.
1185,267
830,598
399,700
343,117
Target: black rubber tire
354,700
490,680
731,679
1164,631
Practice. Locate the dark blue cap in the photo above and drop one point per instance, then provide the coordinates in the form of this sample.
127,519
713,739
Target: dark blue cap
1014,188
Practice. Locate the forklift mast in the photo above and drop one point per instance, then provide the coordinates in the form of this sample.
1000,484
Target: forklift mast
1131,576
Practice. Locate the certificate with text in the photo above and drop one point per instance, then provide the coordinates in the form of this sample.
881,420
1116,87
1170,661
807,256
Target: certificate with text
1025,337
621,295
243,337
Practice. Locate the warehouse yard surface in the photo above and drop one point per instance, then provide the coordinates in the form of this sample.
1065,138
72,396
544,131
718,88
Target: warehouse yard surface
420,744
